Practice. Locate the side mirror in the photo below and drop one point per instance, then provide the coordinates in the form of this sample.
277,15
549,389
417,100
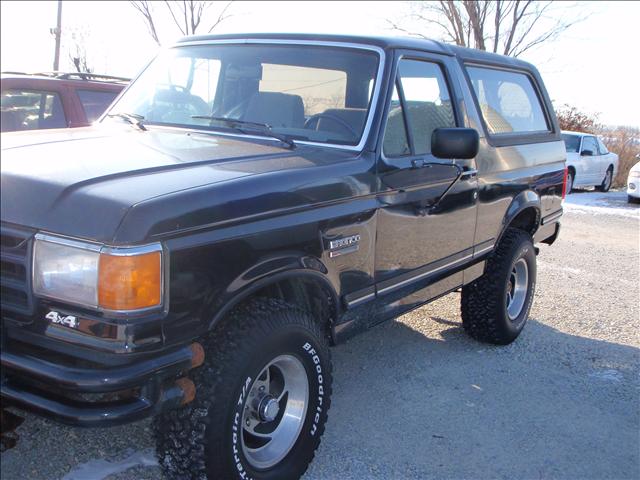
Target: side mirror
587,153
462,143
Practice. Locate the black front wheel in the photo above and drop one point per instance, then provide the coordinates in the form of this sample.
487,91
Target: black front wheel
496,306
262,399
570,179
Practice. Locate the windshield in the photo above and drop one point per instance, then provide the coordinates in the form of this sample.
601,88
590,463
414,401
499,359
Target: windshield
310,93
571,142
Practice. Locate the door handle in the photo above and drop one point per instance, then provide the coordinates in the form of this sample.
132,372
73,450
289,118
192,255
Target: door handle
420,164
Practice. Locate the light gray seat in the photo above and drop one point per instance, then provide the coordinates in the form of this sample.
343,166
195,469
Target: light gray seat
275,109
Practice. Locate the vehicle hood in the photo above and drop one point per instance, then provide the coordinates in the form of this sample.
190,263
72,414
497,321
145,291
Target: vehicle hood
94,182
635,168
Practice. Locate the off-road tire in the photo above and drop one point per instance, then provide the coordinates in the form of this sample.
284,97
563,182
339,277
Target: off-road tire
483,305
198,442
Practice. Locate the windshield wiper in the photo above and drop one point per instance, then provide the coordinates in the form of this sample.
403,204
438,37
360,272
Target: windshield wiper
238,124
132,118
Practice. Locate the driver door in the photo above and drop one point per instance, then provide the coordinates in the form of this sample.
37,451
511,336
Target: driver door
427,219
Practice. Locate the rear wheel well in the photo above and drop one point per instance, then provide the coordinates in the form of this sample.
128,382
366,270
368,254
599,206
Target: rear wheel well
572,171
527,220
304,292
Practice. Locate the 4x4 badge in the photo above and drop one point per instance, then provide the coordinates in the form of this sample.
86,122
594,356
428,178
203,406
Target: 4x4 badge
66,320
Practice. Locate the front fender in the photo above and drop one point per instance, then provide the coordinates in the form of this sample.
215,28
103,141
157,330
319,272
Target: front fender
270,271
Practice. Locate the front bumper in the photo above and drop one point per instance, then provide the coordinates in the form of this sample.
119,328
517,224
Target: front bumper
91,396
633,188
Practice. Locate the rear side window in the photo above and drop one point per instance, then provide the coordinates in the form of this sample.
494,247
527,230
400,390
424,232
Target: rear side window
31,110
508,101
94,103
571,143
420,104
601,147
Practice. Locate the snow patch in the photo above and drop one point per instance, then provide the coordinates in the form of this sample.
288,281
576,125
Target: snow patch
559,268
100,469
601,203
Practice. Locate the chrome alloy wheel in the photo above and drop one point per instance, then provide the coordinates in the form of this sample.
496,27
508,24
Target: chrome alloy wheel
274,411
517,288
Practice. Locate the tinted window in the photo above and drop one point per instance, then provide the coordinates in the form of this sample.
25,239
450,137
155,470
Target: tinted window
571,142
589,143
508,101
601,147
94,103
31,110
426,106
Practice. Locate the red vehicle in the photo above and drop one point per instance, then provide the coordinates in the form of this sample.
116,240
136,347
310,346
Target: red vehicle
55,100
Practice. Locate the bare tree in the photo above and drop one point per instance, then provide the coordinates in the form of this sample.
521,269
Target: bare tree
509,27
144,8
570,118
187,15
625,141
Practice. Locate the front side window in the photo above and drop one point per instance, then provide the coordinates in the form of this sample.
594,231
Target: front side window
309,93
396,141
31,110
508,101
95,102
423,104
589,145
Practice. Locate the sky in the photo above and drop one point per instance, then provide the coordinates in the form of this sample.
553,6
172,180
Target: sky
593,66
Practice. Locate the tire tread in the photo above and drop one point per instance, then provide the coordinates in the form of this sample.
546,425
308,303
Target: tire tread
481,301
181,435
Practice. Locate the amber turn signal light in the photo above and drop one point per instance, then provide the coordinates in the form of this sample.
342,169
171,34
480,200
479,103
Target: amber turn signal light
130,282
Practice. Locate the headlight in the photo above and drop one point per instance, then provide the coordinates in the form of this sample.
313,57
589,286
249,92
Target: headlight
96,276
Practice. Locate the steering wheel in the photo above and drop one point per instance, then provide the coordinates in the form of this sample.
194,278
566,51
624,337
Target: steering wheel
335,118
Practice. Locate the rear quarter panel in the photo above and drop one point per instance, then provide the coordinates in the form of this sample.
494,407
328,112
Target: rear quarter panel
527,170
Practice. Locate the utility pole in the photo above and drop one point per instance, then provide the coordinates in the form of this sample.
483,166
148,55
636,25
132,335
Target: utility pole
57,32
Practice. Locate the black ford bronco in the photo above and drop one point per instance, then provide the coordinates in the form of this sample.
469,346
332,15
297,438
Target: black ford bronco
249,201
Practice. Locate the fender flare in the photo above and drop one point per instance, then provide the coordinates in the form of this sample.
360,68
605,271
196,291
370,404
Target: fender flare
524,200
273,271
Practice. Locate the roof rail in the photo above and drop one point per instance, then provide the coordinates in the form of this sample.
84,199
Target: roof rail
75,76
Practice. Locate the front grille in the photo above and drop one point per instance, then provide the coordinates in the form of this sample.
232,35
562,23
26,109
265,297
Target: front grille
15,270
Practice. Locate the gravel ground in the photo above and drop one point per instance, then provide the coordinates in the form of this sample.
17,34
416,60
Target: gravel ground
416,398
